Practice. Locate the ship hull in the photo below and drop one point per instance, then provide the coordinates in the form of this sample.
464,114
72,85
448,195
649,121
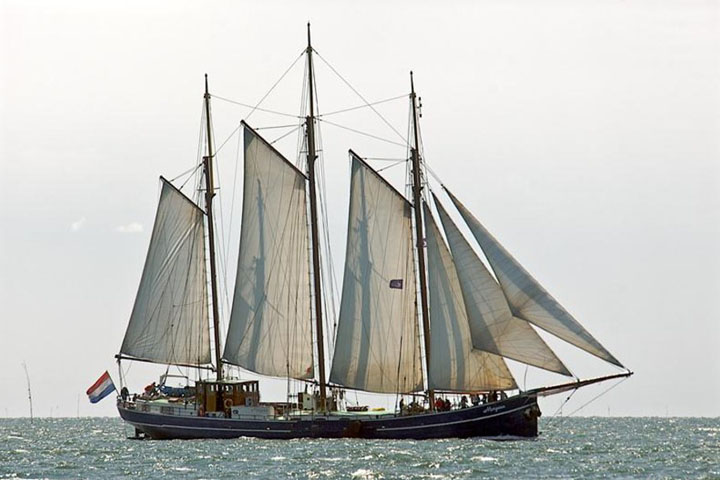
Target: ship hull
515,417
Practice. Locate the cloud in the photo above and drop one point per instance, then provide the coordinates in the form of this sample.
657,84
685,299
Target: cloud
133,227
77,225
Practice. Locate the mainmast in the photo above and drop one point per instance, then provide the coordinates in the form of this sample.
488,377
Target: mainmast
420,237
311,158
209,194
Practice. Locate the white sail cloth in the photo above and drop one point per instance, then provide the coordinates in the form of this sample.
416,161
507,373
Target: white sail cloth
454,364
528,300
493,327
376,348
270,323
169,321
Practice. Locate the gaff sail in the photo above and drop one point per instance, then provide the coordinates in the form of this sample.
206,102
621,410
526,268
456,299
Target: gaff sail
376,348
169,321
270,323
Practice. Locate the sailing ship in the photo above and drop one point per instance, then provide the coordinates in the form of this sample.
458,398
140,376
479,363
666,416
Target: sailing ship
421,315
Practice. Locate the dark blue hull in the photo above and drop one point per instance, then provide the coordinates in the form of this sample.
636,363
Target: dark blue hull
513,417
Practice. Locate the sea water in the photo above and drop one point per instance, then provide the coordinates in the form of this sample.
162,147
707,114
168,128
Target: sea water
582,448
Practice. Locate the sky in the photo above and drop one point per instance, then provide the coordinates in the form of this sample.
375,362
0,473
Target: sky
585,135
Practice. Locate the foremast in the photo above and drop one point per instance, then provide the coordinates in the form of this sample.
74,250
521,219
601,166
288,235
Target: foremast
419,235
209,194
317,286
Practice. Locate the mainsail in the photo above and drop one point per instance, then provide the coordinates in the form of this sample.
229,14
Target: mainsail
169,321
376,348
270,323
493,327
454,364
527,298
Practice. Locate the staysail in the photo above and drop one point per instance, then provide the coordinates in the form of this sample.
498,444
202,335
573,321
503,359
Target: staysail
493,327
376,347
270,322
169,321
454,364
527,298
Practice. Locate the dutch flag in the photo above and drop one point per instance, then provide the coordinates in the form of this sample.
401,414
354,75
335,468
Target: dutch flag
101,389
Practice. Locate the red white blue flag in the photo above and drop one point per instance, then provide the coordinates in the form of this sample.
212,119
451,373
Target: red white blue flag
101,389
396,283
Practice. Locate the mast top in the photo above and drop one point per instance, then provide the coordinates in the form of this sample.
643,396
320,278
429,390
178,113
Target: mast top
207,91
309,46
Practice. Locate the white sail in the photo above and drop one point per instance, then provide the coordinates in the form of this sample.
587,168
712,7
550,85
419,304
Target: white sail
527,298
376,348
270,322
454,364
493,327
169,321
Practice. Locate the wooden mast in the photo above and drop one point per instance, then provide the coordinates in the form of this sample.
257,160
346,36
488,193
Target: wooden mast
311,157
209,194
420,237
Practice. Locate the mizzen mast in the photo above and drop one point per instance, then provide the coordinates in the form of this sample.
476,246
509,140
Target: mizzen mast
420,237
317,287
209,194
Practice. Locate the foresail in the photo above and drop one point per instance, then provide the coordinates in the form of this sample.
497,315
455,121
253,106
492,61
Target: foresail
454,364
270,322
528,300
493,327
169,322
376,348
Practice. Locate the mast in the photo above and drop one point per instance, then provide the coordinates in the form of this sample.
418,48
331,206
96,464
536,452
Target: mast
27,377
209,194
420,247
311,157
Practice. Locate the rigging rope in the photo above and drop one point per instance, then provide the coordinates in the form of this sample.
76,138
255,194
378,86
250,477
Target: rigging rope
257,105
405,142
596,397
186,172
385,159
276,83
253,107
398,162
361,132
232,134
554,417
193,170
330,270
350,109
297,127
275,126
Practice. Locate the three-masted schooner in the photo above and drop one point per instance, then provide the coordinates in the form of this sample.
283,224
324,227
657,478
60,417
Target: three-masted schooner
420,313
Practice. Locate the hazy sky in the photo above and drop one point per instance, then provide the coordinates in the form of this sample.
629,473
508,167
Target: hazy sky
585,135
